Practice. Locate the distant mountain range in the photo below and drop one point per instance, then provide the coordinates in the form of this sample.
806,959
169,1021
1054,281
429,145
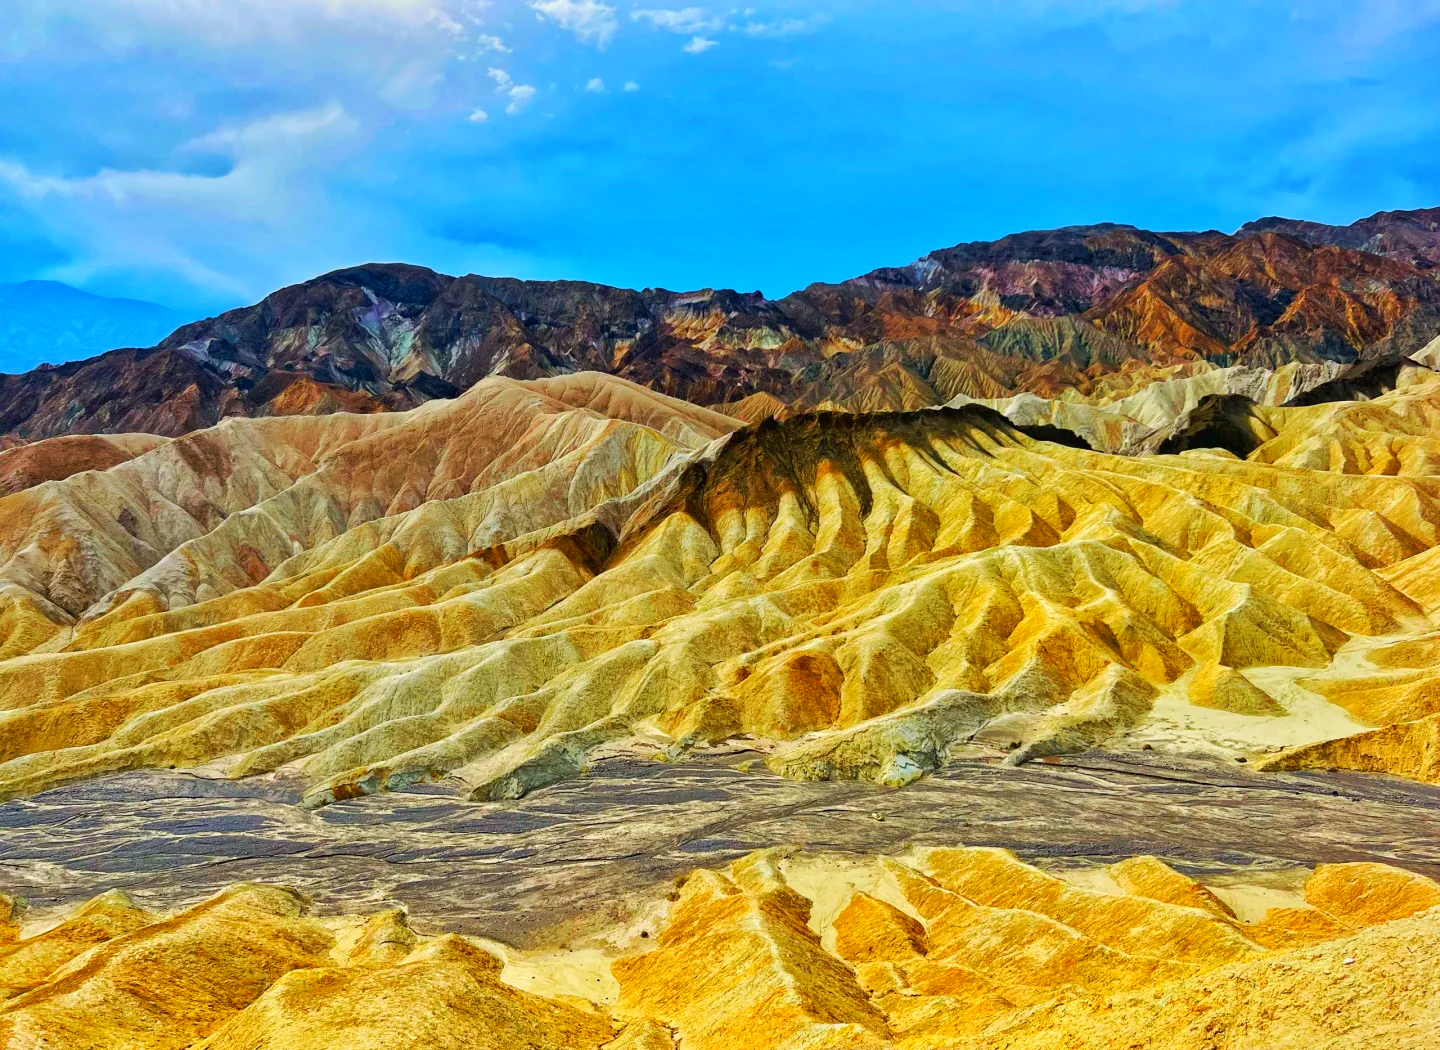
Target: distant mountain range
50,321
1081,308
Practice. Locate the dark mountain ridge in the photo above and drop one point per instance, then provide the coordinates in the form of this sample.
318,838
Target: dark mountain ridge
1040,311
1410,236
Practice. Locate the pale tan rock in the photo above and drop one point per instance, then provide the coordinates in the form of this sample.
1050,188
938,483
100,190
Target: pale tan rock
1407,749
756,408
384,940
737,964
10,908
1226,689
1139,925
870,930
1025,956
497,587
1374,988
1294,927
643,1035
922,1022
171,982
57,458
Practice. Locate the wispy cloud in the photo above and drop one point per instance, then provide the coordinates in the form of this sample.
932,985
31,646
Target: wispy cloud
785,26
399,49
686,21
277,138
1373,23
149,220
486,42
519,94
224,21
596,85
591,22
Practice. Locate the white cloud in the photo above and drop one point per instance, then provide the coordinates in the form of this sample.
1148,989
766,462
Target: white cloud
486,42
396,50
282,130
1373,23
596,85
269,204
699,44
519,94
787,26
478,117
686,21
630,85
591,22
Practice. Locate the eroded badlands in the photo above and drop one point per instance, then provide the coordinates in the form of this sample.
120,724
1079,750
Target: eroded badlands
494,588
500,593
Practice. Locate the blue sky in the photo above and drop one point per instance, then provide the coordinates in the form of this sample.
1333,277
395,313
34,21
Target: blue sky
200,153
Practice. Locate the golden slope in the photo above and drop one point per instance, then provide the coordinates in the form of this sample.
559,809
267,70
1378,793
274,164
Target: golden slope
488,589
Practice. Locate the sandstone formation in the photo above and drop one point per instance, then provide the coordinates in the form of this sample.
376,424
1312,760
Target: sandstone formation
1196,407
1152,407
937,949
493,588
23,466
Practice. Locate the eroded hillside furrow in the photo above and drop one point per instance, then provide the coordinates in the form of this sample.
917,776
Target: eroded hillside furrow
496,589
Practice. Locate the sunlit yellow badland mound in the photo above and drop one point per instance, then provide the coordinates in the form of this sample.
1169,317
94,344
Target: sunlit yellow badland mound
938,949
489,588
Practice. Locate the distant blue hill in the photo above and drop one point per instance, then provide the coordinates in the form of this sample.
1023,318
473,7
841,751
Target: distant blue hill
46,321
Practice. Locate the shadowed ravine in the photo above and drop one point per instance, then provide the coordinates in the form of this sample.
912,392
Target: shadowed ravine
576,856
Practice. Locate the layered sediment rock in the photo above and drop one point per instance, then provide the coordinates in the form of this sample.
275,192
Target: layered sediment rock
490,589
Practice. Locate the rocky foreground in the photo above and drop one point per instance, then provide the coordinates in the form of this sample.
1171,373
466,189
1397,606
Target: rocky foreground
934,949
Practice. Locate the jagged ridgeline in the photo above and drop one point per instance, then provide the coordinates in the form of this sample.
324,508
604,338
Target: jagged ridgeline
759,467
489,589
1094,312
